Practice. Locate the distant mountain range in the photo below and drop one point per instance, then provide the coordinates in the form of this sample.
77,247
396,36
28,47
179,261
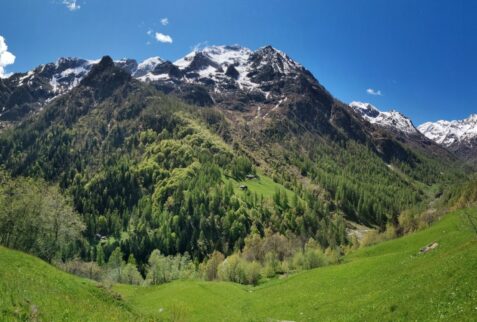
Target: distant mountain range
458,136
256,83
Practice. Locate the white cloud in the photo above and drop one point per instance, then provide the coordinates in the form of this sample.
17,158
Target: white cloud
165,21
374,92
71,5
149,32
163,38
6,57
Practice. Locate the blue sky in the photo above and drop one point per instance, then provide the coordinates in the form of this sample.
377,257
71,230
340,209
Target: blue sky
420,56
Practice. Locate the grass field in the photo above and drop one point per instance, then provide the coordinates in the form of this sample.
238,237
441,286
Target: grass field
32,290
386,282
390,281
261,185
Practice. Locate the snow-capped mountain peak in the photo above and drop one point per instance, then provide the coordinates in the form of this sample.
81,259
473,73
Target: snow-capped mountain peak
150,63
147,66
449,133
276,58
227,55
392,119
365,109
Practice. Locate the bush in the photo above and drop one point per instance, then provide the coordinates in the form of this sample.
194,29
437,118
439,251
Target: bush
130,275
163,269
238,270
252,272
314,258
77,267
372,237
311,257
271,265
210,268
231,269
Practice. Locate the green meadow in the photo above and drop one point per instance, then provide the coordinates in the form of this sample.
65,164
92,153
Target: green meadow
390,281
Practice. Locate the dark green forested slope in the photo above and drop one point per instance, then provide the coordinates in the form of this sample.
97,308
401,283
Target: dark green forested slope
146,171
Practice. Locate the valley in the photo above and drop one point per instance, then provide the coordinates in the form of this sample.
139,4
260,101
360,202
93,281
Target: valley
390,281
227,185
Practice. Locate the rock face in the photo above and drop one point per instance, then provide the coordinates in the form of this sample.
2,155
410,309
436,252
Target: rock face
458,136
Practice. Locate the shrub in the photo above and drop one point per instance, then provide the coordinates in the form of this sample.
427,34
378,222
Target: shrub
271,265
238,270
210,269
130,275
77,267
372,237
252,272
231,269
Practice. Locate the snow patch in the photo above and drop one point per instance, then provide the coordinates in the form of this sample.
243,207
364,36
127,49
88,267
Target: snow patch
448,133
393,119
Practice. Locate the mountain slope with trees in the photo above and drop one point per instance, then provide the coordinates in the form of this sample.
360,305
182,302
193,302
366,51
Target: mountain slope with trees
147,171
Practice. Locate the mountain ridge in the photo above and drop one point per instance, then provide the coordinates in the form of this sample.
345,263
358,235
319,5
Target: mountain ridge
223,68
459,136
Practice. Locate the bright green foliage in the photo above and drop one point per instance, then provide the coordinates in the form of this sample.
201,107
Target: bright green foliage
116,264
238,270
130,275
163,269
390,281
36,218
147,172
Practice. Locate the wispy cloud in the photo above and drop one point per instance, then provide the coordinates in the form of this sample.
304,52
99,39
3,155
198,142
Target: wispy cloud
149,32
71,5
165,21
199,46
374,92
163,38
6,57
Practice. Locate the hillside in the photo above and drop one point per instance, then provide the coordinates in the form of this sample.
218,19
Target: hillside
389,281
146,171
31,290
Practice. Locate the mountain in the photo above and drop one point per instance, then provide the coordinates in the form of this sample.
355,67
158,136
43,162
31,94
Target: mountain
392,119
402,128
201,154
458,136
25,93
231,76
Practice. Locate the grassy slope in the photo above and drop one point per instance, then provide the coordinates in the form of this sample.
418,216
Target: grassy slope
32,290
262,186
386,282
